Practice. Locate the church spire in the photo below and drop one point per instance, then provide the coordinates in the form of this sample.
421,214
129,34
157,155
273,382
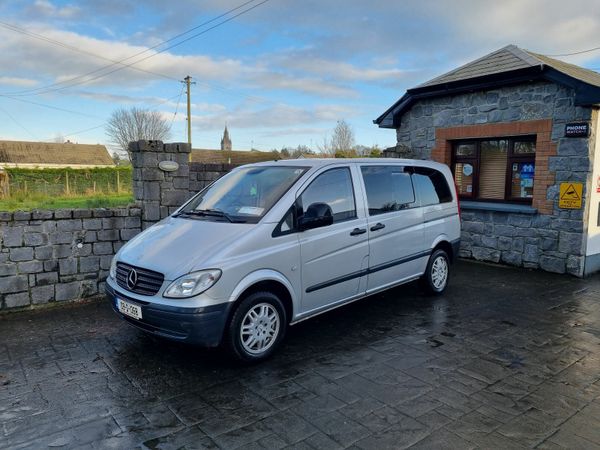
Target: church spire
226,141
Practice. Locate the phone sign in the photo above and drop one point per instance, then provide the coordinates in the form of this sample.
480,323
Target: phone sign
577,129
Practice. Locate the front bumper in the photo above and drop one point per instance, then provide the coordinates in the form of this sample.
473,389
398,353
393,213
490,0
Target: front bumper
201,326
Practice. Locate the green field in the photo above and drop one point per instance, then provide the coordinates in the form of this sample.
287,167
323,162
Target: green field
24,203
61,182
28,189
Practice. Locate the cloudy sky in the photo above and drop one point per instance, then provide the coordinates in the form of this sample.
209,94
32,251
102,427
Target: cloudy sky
280,74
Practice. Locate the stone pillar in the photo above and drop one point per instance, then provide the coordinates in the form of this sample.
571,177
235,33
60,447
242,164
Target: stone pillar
159,192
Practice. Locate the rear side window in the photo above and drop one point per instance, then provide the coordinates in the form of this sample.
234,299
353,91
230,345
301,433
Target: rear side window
431,185
333,187
389,188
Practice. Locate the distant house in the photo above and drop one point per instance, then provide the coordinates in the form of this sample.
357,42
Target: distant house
237,157
228,156
53,155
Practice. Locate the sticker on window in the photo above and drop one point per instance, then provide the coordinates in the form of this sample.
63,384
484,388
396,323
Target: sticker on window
251,210
467,170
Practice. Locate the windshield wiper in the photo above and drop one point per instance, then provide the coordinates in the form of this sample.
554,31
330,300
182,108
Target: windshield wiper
210,213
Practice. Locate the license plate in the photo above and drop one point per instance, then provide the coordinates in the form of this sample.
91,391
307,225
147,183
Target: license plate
129,309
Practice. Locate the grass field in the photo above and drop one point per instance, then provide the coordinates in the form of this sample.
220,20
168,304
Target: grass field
67,181
39,201
27,189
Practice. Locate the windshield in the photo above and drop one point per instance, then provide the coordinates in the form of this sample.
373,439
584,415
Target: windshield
243,195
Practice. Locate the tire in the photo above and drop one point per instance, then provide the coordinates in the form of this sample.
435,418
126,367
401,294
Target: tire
435,279
256,328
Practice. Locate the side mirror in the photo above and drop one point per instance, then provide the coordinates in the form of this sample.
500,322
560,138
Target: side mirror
317,215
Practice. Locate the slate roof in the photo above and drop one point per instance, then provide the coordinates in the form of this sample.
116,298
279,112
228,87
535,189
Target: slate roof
508,65
55,154
511,58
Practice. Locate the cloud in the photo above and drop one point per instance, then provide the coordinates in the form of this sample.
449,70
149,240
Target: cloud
295,132
16,81
45,8
272,117
307,61
66,67
308,85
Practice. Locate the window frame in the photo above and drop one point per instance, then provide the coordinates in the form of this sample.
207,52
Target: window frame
296,206
511,158
405,169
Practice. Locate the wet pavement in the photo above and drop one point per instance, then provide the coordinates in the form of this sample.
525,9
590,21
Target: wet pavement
505,359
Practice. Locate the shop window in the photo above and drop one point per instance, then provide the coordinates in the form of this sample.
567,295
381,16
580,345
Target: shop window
500,169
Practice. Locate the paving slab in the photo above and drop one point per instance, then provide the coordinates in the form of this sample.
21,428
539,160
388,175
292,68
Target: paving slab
506,358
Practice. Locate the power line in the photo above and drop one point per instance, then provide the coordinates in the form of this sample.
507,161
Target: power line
49,106
177,107
577,53
69,83
75,49
103,125
72,48
18,123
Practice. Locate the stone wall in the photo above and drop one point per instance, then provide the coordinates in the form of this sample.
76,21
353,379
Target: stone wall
532,101
551,239
201,175
61,255
159,192
65,255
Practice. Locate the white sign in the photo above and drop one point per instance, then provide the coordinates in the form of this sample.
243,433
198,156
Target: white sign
168,166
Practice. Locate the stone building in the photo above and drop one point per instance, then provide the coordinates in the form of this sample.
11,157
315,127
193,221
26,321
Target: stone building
225,141
518,130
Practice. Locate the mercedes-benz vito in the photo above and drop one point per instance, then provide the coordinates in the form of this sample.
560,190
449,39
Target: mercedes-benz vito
274,243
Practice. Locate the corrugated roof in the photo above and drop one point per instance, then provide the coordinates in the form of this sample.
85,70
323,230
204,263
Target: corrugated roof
511,58
67,154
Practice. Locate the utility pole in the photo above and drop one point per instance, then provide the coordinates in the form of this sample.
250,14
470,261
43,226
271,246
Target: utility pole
188,82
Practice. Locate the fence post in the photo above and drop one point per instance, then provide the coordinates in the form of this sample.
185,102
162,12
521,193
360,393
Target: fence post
67,182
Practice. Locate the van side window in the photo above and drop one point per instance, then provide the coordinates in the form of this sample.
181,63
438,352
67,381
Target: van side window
333,187
431,185
389,188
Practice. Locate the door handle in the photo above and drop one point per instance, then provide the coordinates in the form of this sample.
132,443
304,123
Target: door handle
358,231
377,226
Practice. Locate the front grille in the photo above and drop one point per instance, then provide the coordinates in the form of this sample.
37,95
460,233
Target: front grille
148,281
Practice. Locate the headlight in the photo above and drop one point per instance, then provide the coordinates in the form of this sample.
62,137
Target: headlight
112,273
192,284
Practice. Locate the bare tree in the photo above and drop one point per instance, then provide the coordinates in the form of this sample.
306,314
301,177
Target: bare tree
342,141
127,125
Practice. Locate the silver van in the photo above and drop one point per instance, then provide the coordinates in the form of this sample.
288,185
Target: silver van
271,244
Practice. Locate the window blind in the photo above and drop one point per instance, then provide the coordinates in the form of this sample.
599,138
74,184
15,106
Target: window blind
492,175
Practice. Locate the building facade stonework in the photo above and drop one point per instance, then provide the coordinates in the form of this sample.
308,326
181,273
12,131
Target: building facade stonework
538,232
552,238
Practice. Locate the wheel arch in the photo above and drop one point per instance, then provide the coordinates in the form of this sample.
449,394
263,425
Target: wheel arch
266,280
443,243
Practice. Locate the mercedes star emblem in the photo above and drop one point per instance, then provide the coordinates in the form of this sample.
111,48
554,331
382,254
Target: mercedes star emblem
132,279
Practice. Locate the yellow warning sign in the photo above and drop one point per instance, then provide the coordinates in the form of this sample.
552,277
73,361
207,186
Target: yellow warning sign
570,195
